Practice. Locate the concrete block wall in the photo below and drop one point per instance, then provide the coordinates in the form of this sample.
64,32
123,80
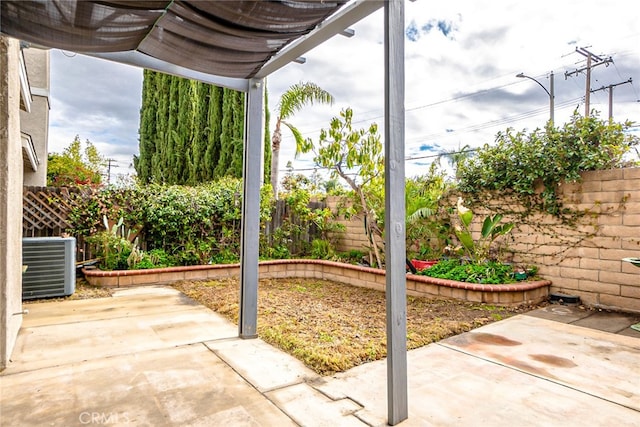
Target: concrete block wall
354,275
594,269
585,259
354,236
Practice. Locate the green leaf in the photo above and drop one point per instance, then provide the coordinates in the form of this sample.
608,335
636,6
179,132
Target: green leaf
466,217
466,239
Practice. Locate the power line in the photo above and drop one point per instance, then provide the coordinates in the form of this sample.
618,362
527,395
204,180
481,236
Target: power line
406,159
430,156
593,61
420,107
610,88
110,163
496,122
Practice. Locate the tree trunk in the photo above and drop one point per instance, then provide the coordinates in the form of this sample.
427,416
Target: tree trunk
275,158
369,228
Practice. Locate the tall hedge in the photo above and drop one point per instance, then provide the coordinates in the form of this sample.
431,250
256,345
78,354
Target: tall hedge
190,132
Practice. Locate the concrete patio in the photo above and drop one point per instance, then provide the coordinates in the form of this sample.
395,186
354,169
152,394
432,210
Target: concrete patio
150,356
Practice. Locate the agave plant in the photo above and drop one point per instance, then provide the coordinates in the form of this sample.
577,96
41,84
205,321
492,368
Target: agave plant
478,250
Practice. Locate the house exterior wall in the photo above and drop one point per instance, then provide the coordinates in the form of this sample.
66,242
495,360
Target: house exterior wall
10,199
36,122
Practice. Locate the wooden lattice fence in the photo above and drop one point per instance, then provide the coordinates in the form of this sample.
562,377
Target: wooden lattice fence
45,213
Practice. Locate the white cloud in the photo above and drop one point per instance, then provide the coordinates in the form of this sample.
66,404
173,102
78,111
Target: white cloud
460,88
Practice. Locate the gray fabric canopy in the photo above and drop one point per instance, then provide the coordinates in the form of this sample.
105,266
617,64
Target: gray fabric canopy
230,38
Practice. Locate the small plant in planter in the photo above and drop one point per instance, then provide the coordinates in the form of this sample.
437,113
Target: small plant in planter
478,250
476,265
111,246
423,265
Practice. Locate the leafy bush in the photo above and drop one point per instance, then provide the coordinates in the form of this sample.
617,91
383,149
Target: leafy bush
194,223
428,225
113,250
156,258
190,225
491,272
517,161
322,249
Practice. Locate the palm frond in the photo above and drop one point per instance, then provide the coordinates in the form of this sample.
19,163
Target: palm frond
419,214
297,135
301,94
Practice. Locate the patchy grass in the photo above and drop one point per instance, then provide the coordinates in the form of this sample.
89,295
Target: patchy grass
332,327
83,291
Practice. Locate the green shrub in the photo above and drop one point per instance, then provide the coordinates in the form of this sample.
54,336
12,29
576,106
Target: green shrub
518,161
478,250
322,249
112,250
490,272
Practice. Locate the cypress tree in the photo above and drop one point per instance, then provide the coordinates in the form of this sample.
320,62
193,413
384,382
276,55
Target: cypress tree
226,134
182,132
237,138
148,130
214,121
191,132
159,139
267,137
198,144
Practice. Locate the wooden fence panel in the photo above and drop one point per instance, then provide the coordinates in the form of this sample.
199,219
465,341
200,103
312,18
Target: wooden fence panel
303,232
46,214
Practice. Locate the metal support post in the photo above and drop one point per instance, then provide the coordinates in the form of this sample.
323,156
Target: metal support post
250,233
395,255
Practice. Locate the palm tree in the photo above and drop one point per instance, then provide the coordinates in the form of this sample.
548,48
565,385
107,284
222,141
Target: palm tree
296,97
456,156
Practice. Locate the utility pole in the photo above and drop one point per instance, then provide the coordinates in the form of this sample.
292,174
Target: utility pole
592,62
109,163
610,87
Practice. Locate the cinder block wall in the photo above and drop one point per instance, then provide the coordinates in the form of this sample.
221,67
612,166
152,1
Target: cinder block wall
594,269
354,237
584,259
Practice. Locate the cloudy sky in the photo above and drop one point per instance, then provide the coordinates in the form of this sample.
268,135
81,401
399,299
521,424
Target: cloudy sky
462,58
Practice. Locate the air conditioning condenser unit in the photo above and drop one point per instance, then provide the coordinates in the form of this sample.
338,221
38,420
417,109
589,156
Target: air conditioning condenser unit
50,267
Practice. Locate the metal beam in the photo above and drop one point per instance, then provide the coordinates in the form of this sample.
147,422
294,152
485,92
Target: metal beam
139,59
395,257
250,232
344,18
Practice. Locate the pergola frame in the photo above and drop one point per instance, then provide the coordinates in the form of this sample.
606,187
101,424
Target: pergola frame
394,173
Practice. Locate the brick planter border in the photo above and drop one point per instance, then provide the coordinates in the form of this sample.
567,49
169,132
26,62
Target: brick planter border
504,295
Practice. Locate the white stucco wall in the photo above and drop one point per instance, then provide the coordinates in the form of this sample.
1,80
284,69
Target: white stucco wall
36,122
10,199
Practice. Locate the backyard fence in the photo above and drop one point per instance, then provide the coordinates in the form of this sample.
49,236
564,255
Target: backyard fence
46,214
288,228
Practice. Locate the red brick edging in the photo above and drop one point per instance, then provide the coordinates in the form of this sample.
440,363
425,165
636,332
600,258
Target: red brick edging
507,294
